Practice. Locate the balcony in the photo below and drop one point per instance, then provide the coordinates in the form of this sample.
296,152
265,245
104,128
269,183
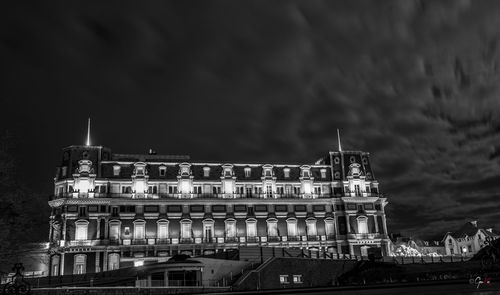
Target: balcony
273,239
231,240
139,242
364,236
252,239
186,240
197,195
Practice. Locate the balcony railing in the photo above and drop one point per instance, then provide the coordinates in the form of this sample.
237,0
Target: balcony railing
199,195
273,239
186,240
364,236
139,242
231,239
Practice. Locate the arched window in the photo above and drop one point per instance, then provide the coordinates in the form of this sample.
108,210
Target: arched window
291,226
113,261
272,227
362,225
251,227
114,230
186,229
230,228
329,227
139,229
162,229
80,264
311,227
81,230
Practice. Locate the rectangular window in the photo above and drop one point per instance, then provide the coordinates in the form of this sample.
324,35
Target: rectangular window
272,229
114,231
248,172
319,208
292,228
329,227
163,171
80,266
260,208
231,229
351,206
116,170
323,173
368,206
357,190
81,231
174,208
286,173
284,279
297,279
93,208
280,208
311,227
197,208
300,208
219,208
269,191
240,208
150,208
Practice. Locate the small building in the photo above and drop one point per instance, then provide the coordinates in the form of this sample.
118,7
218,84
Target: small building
468,240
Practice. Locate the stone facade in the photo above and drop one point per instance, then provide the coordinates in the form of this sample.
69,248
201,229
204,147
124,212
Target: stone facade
118,210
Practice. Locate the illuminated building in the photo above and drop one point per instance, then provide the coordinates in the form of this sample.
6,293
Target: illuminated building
119,210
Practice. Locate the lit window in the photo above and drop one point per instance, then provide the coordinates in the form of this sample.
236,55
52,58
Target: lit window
114,230
329,227
185,229
113,261
284,279
206,171
230,228
80,264
311,227
297,279
185,187
269,191
268,173
81,230
272,228
162,229
208,230
323,173
305,173
248,171
251,228
291,225
139,230
286,172
163,170
116,170
362,225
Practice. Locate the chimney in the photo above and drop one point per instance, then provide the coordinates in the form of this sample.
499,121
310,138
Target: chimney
490,230
152,152
474,223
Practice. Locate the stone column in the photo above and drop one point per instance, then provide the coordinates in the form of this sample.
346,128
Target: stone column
375,218
351,249
98,231
64,229
97,260
348,221
51,229
62,264
384,223
105,262
106,229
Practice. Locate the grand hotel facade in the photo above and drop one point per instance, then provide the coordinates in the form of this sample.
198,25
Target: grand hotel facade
119,210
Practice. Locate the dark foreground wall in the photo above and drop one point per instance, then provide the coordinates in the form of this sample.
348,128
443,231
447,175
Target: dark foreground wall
312,272
126,291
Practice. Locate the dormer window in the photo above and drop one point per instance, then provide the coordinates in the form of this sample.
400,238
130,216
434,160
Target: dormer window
286,172
268,173
305,173
352,159
227,170
354,169
162,170
116,170
248,172
206,171
140,171
185,169
323,173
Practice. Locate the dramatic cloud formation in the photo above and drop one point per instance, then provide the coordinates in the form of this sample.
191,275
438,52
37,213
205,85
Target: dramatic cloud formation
415,83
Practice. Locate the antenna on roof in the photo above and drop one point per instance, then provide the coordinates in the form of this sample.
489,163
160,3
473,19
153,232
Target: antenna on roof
88,134
338,138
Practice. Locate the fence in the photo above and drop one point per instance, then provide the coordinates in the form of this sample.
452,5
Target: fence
261,254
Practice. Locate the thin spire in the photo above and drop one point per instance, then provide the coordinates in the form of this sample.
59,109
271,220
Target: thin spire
88,133
338,138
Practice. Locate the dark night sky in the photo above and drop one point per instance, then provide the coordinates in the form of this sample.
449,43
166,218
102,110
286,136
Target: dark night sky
415,83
